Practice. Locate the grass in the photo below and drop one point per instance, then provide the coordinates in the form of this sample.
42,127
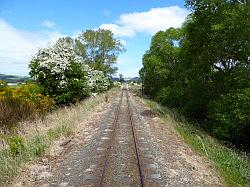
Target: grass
13,110
232,165
34,139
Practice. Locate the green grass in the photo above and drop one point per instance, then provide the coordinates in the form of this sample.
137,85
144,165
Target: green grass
232,165
63,122
10,158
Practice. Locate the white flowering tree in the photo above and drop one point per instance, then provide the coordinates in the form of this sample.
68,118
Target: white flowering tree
60,72
97,81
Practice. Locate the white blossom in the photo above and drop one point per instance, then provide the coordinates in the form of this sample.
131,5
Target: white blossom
97,81
56,59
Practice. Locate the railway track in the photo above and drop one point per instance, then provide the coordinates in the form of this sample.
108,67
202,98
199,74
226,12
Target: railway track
113,140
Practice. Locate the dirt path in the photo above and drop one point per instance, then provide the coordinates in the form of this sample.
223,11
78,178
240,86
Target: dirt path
166,159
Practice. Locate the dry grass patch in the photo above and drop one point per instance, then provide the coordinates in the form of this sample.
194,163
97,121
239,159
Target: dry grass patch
33,139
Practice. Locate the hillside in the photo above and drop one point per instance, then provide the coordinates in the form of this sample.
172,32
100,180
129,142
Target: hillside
13,78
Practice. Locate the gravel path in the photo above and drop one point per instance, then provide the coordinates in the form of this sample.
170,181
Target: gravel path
122,165
166,159
173,160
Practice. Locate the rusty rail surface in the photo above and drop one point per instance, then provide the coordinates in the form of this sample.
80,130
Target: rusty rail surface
139,163
117,113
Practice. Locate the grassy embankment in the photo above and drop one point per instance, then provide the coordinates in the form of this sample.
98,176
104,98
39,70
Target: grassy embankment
35,138
232,165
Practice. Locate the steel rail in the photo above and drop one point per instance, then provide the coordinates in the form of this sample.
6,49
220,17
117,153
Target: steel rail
117,112
139,163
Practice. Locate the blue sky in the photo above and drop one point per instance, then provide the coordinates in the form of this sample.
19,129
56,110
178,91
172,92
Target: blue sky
27,25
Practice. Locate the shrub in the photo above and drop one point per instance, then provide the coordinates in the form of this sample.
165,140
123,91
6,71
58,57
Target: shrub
169,96
13,110
97,81
36,146
3,85
16,144
31,92
230,116
61,74
22,103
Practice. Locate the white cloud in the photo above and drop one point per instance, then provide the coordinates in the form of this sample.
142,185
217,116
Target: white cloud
147,22
119,30
18,46
48,24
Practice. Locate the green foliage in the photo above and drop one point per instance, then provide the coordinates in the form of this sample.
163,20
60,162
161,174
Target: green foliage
232,165
58,70
72,69
201,67
16,144
121,79
36,146
22,103
99,49
159,61
55,133
169,96
3,85
231,116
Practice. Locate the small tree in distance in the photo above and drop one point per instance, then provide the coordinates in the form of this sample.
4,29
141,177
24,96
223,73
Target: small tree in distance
121,79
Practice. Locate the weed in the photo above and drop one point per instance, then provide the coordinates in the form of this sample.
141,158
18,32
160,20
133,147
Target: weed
16,144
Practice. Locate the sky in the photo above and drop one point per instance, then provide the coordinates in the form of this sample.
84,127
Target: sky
27,25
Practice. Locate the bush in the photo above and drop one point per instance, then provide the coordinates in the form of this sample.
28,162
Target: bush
169,96
32,93
3,85
13,110
36,146
16,144
97,81
58,70
22,103
230,116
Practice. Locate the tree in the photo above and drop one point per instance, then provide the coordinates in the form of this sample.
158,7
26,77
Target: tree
99,49
97,81
60,72
160,61
216,51
203,69
121,79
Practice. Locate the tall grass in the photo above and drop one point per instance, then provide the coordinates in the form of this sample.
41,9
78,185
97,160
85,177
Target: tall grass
232,165
36,137
26,150
13,110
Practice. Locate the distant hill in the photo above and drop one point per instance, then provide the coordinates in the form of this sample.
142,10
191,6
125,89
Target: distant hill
13,78
135,79
19,79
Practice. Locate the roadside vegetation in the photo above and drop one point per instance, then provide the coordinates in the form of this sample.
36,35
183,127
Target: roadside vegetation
69,79
233,165
203,69
35,138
